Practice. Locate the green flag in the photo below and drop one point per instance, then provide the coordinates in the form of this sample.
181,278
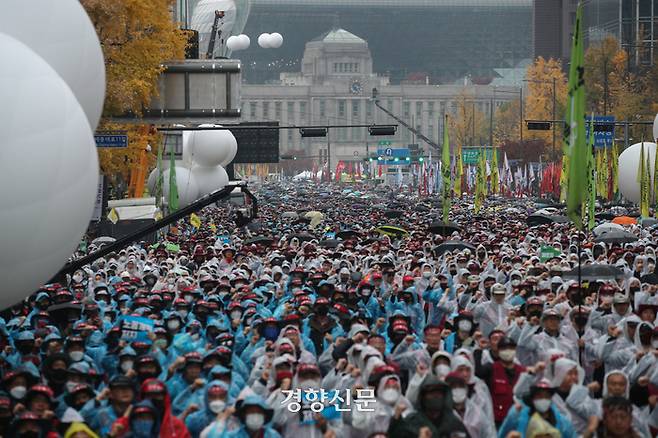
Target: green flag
159,183
591,201
655,179
645,183
574,128
494,172
614,168
445,167
173,188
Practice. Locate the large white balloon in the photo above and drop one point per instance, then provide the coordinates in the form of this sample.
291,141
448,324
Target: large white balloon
209,179
629,161
233,43
264,40
61,33
655,128
212,147
276,40
188,190
48,166
153,176
244,41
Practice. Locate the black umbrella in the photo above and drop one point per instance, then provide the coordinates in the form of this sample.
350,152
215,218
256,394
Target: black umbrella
539,219
302,237
346,234
594,273
605,216
617,237
259,240
421,207
452,245
254,226
329,243
393,214
444,228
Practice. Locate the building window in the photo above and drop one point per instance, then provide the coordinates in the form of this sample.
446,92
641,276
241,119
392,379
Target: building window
419,109
389,104
335,67
430,108
323,108
407,109
291,111
355,110
252,110
355,134
302,110
266,110
290,139
430,130
341,109
356,68
277,110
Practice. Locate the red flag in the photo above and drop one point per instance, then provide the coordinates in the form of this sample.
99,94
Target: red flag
340,167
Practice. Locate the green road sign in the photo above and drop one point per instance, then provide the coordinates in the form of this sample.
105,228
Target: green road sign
384,143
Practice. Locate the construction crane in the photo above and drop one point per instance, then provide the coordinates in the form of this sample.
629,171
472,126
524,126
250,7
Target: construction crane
403,123
213,34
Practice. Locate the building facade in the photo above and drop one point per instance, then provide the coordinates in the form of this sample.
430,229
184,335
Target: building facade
442,39
334,87
553,22
633,22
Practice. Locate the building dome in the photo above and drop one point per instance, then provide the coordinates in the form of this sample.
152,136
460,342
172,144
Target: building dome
339,36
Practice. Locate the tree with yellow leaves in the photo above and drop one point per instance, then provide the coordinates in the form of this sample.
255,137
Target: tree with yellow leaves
468,126
137,37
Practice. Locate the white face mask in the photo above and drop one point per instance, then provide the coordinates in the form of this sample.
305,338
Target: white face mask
76,356
188,298
254,421
18,392
366,292
70,386
126,366
465,325
217,406
235,314
516,282
427,274
507,355
542,404
441,370
173,324
459,395
390,396
77,278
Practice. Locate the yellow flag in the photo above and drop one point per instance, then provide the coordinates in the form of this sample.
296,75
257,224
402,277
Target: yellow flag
113,216
195,221
213,228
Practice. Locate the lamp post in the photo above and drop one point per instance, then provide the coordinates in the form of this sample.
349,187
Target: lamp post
537,81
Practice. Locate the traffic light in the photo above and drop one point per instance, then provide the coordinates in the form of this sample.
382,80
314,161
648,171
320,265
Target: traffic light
382,130
421,159
313,132
539,126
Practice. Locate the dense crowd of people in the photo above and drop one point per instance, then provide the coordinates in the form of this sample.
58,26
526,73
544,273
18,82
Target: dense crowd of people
335,328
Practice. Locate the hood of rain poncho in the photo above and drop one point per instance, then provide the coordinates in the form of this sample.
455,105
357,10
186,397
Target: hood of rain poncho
560,369
538,427
605,391
77,428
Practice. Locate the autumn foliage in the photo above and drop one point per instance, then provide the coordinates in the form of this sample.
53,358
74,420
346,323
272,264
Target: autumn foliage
137,37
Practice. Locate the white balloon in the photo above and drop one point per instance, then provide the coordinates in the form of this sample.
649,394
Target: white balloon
61,33
245,42
188,190
48,170
629,161
655,128
212,147
264,40
233,43
276,40
153,176
187,142
209,179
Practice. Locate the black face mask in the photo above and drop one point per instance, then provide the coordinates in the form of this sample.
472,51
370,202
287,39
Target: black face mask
25,348
634,289
444,286
453,272
143,375
29,434
322,310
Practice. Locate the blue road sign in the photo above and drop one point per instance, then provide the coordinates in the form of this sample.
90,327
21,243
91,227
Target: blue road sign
111,139
393,152
604,130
